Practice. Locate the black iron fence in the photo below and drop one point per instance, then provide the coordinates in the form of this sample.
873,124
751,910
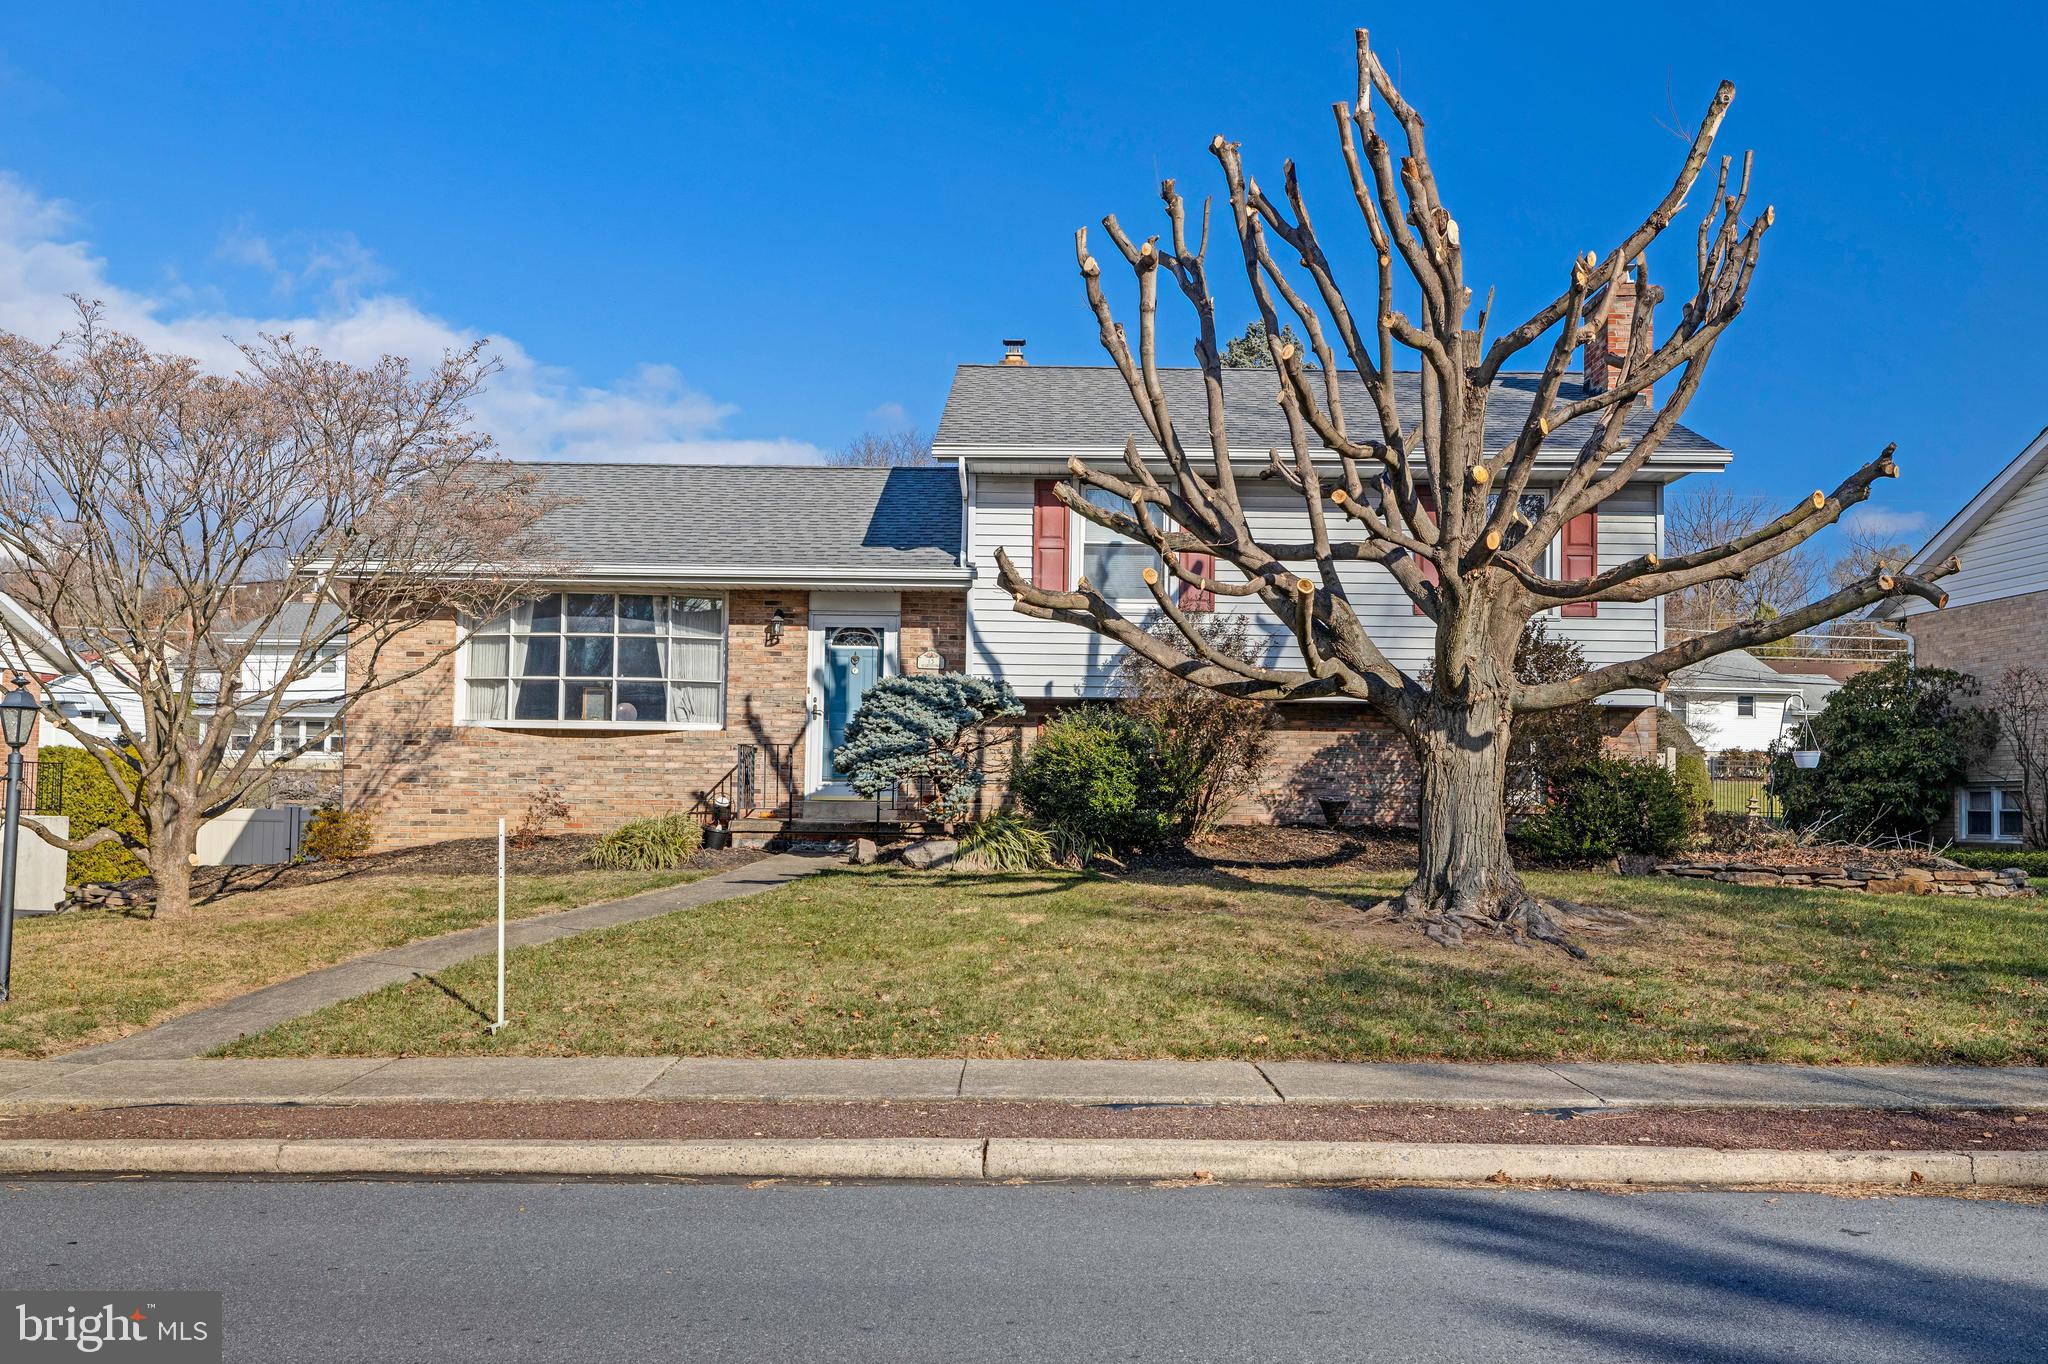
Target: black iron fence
42,788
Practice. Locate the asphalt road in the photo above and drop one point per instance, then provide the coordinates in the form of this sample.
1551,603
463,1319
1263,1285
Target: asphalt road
490,1272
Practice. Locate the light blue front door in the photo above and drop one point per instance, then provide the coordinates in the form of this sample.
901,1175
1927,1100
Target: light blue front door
853,663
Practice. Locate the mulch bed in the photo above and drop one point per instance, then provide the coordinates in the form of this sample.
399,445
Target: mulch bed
637,1119
1281,847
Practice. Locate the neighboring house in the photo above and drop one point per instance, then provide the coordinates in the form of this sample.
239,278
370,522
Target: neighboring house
1738,702
100,701
309,704
1996,619
716,626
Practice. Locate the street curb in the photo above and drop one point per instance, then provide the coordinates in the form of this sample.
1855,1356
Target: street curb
1000,1158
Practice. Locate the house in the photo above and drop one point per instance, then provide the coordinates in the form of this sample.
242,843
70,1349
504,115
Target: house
1736,702
1996,619
714,627
97,698
308,705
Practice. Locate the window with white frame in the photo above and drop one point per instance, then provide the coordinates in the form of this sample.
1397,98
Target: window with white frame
1529,508
599,658
314,734
1745,705
1113,565
1991,814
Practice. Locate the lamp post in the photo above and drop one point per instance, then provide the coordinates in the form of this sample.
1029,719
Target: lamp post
17,721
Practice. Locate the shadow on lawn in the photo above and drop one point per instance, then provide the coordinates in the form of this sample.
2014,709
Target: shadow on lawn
453,994
1703,1282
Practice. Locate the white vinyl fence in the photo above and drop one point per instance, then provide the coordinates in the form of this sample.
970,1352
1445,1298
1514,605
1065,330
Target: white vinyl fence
252,838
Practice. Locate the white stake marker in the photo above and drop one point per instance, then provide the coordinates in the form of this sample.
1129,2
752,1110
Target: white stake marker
501,929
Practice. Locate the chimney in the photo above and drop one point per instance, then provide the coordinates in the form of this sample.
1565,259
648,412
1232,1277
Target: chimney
1607,348
1013,352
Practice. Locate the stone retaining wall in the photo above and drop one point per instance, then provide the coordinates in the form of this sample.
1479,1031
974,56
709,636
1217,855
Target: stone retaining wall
1880,880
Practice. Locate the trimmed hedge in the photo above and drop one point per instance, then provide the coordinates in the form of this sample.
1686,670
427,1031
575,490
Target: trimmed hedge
1607,807
2032,861
92,801
1103,776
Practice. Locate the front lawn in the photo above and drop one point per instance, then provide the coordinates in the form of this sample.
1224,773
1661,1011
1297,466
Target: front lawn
1240,961
94,975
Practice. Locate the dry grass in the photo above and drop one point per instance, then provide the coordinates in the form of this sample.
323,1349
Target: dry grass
95,975
1242,961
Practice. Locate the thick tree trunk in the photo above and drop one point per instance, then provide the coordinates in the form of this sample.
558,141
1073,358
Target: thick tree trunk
1465,877
169,859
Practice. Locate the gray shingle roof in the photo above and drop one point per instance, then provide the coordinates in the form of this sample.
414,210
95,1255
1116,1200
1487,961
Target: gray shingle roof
1080,406
1740,668
716,516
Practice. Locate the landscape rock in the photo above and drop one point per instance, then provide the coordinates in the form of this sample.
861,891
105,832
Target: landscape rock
931,852
864,852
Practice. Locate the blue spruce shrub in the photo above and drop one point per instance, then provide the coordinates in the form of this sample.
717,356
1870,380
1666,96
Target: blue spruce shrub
918,732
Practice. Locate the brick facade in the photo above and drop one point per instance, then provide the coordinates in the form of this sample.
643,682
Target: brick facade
424,778
1983,639
1320,750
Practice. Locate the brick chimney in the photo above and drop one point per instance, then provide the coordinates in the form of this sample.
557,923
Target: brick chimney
1607,348
1013,352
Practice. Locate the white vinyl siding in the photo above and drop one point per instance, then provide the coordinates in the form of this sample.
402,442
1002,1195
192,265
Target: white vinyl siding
2007,556
1049,659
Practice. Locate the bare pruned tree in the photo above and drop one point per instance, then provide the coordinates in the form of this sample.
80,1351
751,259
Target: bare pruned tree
2020,701
903,449
207,543
1427,491
1701,518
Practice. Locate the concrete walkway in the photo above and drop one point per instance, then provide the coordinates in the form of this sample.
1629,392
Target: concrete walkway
72,1082
197,1033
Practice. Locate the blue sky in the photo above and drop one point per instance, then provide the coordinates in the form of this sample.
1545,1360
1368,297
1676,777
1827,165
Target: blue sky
752,231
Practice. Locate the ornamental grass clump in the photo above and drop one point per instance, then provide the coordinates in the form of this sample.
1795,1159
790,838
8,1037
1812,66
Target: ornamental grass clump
648,844
1005,842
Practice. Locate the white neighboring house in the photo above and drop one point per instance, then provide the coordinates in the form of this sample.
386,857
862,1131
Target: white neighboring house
90,700
85,696
307,715
1738,702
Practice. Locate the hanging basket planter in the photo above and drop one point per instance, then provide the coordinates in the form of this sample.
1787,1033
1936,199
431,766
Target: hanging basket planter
1808,758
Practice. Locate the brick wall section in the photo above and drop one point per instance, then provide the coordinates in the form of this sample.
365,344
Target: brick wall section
423,778
1630,733
1983,639
934,620
1326,750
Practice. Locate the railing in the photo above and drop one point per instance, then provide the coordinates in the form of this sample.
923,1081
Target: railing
1811,646
42,789
762,783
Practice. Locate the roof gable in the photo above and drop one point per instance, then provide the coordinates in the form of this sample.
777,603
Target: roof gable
2001,535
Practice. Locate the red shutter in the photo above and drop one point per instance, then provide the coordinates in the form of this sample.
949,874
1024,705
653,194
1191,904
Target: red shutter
1194,598
1581,551
1048,536
1428,569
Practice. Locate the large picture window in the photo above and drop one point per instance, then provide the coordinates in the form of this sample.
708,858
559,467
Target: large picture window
600,657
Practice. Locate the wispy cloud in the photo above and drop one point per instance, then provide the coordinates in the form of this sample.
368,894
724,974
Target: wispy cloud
889,416
331,292
1869,520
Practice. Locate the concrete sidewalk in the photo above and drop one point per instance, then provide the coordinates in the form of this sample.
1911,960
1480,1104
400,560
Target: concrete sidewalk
70,1082
204,1030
